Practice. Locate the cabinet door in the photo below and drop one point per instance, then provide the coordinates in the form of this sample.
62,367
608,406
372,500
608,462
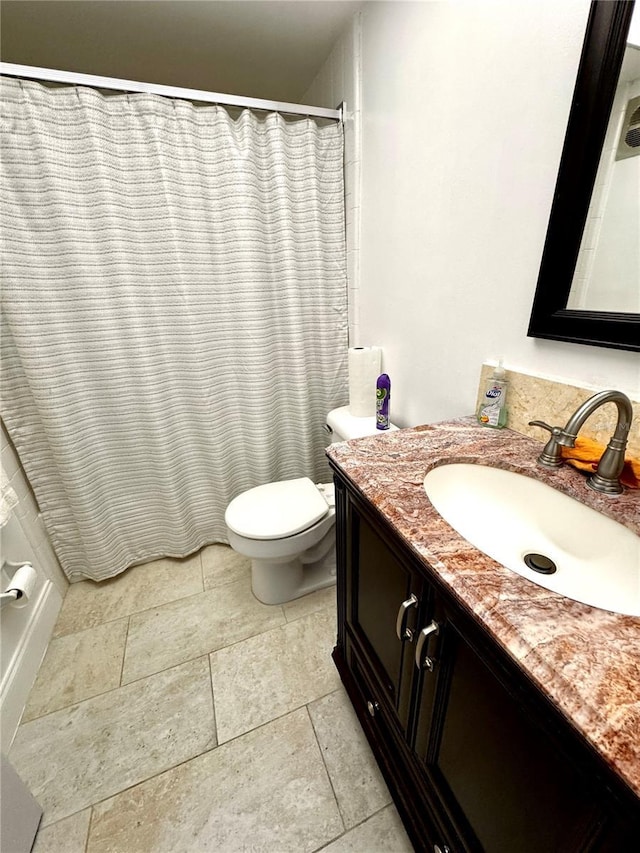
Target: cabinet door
505,783
384,602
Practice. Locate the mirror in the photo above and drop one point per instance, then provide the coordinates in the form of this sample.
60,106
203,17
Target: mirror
607,274
567,306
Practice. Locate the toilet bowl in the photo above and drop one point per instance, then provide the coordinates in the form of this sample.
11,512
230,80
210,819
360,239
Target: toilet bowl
287,528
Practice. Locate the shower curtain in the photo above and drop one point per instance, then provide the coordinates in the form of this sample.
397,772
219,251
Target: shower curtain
174,312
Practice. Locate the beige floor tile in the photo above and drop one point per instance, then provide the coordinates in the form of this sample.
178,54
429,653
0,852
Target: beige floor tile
68,835
78,666
382,833
322,599
358,784
261,678
266,792
194,626
221,565
89,603
92,750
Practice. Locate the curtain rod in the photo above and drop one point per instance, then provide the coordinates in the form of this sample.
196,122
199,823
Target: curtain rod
52,75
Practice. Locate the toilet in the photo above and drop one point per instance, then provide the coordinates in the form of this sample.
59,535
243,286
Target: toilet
287,528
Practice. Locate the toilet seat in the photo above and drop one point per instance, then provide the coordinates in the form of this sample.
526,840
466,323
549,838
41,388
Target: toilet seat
276,510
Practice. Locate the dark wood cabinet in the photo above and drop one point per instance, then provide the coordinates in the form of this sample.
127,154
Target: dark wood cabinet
476,757
380,587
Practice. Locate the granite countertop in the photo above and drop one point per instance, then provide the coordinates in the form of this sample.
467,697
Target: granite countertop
586,660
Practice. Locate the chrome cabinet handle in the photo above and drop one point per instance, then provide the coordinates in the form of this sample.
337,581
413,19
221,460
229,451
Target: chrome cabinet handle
372,707
427,663
402,631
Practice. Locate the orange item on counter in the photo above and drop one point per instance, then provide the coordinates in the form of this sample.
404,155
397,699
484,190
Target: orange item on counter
586,455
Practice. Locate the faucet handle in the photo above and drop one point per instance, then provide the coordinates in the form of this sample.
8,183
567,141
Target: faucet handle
551,456
545,426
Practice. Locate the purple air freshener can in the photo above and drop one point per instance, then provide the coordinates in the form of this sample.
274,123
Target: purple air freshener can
383,392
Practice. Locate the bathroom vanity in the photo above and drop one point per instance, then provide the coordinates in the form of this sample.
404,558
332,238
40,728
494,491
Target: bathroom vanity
504,717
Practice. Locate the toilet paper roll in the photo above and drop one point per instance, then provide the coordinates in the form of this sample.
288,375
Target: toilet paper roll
364,369
23,582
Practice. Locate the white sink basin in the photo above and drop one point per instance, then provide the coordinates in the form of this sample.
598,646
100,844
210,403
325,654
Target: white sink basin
508,516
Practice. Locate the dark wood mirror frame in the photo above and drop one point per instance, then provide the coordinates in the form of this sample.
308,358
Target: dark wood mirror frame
598,73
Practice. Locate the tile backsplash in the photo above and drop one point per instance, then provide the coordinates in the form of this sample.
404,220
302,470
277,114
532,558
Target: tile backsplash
533,398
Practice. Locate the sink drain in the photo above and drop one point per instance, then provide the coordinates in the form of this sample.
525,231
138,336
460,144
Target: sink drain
539,563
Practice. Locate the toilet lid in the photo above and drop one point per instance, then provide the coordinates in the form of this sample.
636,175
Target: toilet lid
276,510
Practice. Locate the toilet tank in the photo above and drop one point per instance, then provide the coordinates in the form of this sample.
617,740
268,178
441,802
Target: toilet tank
342,425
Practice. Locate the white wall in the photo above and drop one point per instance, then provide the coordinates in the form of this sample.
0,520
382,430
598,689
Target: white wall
464,108
338,82
25,632
28,514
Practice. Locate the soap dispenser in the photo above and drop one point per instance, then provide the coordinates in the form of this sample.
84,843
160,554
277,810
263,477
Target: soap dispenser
492,411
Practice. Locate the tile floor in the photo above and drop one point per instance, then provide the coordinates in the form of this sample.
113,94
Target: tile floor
175,712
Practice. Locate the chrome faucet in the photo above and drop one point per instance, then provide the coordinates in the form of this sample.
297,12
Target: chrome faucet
606,478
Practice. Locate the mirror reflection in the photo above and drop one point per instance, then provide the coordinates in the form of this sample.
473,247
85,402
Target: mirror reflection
607,274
